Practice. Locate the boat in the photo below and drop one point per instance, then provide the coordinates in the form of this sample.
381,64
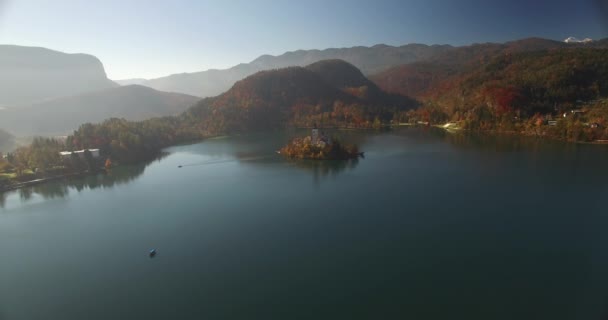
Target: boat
152,253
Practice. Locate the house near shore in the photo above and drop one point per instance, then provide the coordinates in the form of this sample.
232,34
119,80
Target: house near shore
65,155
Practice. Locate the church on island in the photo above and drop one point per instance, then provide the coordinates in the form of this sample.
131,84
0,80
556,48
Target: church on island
320,140
318,146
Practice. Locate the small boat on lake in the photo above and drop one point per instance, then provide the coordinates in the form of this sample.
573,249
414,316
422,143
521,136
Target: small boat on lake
152,253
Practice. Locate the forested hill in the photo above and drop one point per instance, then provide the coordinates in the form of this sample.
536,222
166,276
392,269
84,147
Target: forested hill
532,82
329,93
31,74
417,78
521,92
339,73
368,59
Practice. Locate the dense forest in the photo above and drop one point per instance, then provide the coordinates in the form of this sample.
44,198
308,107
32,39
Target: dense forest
415,79
527,92
330,93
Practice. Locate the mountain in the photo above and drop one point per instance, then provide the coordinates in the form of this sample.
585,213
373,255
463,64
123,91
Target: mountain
62,115
531,82
418,78
127,82
519,92
31,74
339,74
368,59
327,93
575,40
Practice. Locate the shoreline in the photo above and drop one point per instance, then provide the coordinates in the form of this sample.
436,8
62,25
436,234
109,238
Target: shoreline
448,128
29,183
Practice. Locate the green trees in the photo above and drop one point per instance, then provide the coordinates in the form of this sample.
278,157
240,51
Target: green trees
41,155
128,141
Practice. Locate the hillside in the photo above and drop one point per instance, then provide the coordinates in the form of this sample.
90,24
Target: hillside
415,79
532,82
329,93
31,74
128,82
368,59
519,92
339,73
62,115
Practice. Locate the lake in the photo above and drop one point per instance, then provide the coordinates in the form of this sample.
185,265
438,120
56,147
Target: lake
429,225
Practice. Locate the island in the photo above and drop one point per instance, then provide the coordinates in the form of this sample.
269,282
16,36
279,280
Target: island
318,146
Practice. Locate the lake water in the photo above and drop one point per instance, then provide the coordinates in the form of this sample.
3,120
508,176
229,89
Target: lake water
428,226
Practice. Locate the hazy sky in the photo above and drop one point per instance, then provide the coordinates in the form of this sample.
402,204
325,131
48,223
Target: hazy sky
152,38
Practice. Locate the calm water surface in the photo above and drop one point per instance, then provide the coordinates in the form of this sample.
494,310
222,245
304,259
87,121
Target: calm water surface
427,226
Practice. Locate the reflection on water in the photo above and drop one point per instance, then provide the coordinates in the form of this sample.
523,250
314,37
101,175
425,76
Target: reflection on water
423,216
260,150
510,142
323,169
61,188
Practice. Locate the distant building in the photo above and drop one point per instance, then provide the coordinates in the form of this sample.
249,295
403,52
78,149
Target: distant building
80,153
317,139
574,112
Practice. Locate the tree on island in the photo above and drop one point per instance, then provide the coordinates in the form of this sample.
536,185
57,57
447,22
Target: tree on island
304,148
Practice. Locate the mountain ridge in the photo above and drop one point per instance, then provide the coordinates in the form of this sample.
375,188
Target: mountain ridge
62,115
370,60
414,79
32,74
213,82
331,92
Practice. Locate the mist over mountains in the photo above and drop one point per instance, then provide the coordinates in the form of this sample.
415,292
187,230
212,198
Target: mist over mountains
61,116
46,92
31,74
367,59
370,60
